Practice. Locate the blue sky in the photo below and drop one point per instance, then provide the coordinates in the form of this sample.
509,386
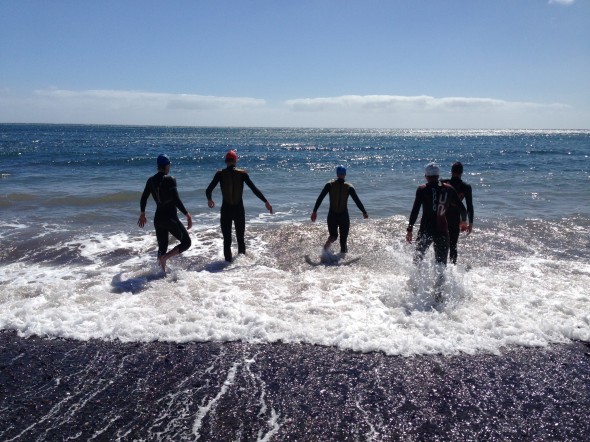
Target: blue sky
321,63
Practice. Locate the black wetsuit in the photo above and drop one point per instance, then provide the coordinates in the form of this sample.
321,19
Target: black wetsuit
454,215
338,218
163,189
232,209
435,199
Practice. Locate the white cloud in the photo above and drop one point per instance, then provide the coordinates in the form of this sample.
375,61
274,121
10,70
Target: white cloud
420,103
350,111
561,2
129,99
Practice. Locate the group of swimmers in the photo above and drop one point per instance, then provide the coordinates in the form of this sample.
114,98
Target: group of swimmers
441,201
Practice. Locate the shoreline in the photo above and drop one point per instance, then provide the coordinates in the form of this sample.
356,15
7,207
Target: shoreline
108,390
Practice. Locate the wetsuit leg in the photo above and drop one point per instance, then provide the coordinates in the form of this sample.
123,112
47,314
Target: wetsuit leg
344,227
422,243
226,221
240,223
171,225
332,226
177,229
441,249
161,236
453,239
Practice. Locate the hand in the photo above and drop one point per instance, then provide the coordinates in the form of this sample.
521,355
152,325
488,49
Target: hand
365,215
142,220
189,219
314,216
211,204
268,207
469,229
409,237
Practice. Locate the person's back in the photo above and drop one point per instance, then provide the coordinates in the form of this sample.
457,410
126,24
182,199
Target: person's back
164,192
339,192
435,199
465,194
231,180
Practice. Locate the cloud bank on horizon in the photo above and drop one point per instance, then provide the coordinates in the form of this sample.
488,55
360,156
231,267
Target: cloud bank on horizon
353,111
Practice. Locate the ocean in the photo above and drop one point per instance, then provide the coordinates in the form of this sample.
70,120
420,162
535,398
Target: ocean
76,268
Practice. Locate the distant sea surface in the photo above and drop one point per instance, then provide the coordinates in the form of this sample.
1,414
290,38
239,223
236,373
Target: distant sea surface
97,344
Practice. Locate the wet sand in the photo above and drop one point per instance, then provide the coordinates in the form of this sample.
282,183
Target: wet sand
55,389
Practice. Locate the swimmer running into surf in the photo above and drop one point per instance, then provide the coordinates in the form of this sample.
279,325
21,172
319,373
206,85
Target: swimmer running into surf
338,218
434,198
163,189
231,181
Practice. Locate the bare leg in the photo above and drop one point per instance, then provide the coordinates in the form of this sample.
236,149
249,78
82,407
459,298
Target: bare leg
329,242
162,259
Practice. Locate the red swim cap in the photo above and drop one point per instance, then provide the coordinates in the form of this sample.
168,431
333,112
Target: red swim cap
231,155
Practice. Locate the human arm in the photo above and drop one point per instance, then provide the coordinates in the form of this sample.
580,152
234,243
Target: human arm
456,201
142,203
357,201
469,202
257,192
323,193
209,190
413,216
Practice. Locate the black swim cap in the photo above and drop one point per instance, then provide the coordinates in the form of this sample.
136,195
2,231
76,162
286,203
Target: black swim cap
457,167
163,160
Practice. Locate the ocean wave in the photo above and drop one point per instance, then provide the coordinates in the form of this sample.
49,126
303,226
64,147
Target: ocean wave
496,297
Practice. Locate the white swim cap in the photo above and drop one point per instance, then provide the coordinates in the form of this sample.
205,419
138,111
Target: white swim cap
432,170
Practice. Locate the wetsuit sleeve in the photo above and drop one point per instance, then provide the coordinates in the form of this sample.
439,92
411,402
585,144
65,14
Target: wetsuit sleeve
176,197
469,202
458,202
356,199
251,185
415,210
323,194
212,185
144,196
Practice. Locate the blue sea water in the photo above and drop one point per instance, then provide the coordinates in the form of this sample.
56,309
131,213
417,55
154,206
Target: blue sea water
73,263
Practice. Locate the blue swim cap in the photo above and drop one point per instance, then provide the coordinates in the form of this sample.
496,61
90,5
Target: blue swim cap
341,170
163,160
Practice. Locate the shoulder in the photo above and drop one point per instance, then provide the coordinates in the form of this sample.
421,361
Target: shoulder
448,187
169,180
421,187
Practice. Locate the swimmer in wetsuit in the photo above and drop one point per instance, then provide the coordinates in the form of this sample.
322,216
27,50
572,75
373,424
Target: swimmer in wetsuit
338,218
434,198
163,189
232,182
453,213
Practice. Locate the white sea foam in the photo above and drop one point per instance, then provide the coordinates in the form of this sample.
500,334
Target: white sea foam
381,303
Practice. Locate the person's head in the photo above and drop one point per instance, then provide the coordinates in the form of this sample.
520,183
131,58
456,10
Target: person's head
231,158
432,172
341,172
163,163
457,169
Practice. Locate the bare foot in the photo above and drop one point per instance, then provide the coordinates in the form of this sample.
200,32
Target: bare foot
162,262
